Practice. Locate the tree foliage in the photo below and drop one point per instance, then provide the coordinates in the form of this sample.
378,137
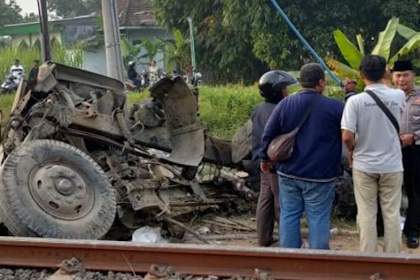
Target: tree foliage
9,12
384,47
176,55
74,7
242,38
223,52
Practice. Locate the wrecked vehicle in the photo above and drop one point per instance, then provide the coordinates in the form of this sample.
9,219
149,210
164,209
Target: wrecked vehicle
76,160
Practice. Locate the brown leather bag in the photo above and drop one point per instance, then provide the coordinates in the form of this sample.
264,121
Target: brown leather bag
281,148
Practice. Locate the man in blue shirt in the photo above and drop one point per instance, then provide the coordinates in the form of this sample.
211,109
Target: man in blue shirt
306,180
273,87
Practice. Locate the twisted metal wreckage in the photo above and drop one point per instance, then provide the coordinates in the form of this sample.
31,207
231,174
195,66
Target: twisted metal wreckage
75,157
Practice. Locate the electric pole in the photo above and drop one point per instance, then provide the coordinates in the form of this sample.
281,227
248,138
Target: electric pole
114,64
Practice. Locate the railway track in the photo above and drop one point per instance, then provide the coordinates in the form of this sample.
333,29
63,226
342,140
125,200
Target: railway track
208,260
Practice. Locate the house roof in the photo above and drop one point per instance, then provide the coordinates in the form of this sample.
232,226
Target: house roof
135,13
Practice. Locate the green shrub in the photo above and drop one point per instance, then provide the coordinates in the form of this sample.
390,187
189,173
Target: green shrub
224,109
6,103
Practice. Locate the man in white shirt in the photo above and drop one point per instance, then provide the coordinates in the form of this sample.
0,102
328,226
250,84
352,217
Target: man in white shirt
375,156
17,71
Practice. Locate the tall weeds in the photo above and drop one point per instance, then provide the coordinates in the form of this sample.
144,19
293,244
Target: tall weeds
61,54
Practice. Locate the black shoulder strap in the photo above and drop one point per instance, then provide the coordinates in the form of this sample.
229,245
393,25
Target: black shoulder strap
308,111
385,109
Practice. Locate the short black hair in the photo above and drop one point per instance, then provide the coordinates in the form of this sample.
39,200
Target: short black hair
36,61
373,67
17,60
311,74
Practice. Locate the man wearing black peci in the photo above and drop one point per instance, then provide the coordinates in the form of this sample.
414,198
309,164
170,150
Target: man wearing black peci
404,78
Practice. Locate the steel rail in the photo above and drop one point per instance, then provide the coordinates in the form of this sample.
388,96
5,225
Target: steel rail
208,260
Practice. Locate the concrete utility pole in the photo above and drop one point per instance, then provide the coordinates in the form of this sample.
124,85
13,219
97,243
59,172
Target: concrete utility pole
45,35
114,62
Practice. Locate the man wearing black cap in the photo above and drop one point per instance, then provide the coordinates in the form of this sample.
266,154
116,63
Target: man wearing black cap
273,88
404,78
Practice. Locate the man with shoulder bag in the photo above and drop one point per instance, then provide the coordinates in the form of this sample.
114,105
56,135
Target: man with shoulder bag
370,127
303,137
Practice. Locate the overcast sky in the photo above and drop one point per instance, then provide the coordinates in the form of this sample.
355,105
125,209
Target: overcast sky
28,6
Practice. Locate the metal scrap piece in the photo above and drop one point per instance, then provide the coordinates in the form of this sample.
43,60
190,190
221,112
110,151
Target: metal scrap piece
88,110
180,107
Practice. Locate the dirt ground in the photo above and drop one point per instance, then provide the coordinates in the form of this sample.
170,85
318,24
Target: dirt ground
344,234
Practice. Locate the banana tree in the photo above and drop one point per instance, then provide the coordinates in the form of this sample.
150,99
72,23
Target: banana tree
129,50
354,54
176,53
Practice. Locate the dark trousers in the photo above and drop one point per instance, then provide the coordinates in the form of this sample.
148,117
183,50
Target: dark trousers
411,160
268,209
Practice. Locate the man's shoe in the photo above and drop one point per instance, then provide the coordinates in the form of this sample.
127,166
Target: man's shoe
412,242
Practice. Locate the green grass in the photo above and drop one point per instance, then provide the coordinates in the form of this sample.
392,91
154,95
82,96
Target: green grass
224,109
6,103
137,97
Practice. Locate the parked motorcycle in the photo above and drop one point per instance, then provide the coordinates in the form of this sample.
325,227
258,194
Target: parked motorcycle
142,82
9,85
